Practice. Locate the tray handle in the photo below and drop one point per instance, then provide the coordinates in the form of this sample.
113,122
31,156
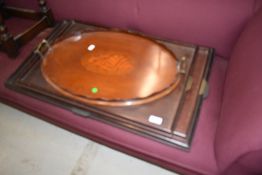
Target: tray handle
38,49
182,65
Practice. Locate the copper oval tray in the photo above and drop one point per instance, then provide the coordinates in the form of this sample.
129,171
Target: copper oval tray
110,68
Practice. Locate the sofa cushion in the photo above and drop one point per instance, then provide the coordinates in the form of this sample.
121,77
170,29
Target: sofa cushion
248,164
214,23
239,129
200,159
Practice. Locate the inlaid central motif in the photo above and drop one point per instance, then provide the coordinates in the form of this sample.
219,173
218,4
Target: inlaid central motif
107,63
110,68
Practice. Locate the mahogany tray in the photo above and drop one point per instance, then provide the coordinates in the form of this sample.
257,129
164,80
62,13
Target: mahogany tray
111,68
148,86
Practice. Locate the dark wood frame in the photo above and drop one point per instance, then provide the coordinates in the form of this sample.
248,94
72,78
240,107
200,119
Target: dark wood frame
73,127
182,134
11,44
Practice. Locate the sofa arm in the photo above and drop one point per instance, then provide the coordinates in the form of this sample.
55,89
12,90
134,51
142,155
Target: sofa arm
240,126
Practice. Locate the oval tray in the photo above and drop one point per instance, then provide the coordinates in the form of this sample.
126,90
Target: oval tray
110,68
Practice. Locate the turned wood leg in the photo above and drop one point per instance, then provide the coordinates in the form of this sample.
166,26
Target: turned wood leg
46,12
7,41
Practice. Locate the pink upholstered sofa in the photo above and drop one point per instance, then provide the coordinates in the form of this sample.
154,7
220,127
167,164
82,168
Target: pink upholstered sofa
228,135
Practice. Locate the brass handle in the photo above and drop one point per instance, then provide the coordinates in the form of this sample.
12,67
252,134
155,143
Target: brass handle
39,47
181,65
204,88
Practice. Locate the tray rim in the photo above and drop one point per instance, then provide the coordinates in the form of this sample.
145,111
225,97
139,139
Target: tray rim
162,137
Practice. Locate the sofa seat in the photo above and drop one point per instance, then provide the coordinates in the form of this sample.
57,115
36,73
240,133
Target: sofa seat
200,159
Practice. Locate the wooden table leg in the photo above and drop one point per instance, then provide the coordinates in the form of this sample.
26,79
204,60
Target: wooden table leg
46,12
8,43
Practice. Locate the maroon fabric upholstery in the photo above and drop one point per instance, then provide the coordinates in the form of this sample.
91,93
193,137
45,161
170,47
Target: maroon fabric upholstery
239,130
214,23
234,147
200,158
248,164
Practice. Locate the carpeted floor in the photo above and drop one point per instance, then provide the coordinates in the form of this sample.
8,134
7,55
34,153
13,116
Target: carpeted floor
30,146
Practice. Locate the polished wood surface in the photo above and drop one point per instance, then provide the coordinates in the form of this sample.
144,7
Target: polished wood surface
188,113
111,68
176,112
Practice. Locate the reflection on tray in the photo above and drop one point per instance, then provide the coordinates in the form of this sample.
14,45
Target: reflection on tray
98,73
111,68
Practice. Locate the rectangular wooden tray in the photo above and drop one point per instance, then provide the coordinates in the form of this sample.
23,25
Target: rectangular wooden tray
177,111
